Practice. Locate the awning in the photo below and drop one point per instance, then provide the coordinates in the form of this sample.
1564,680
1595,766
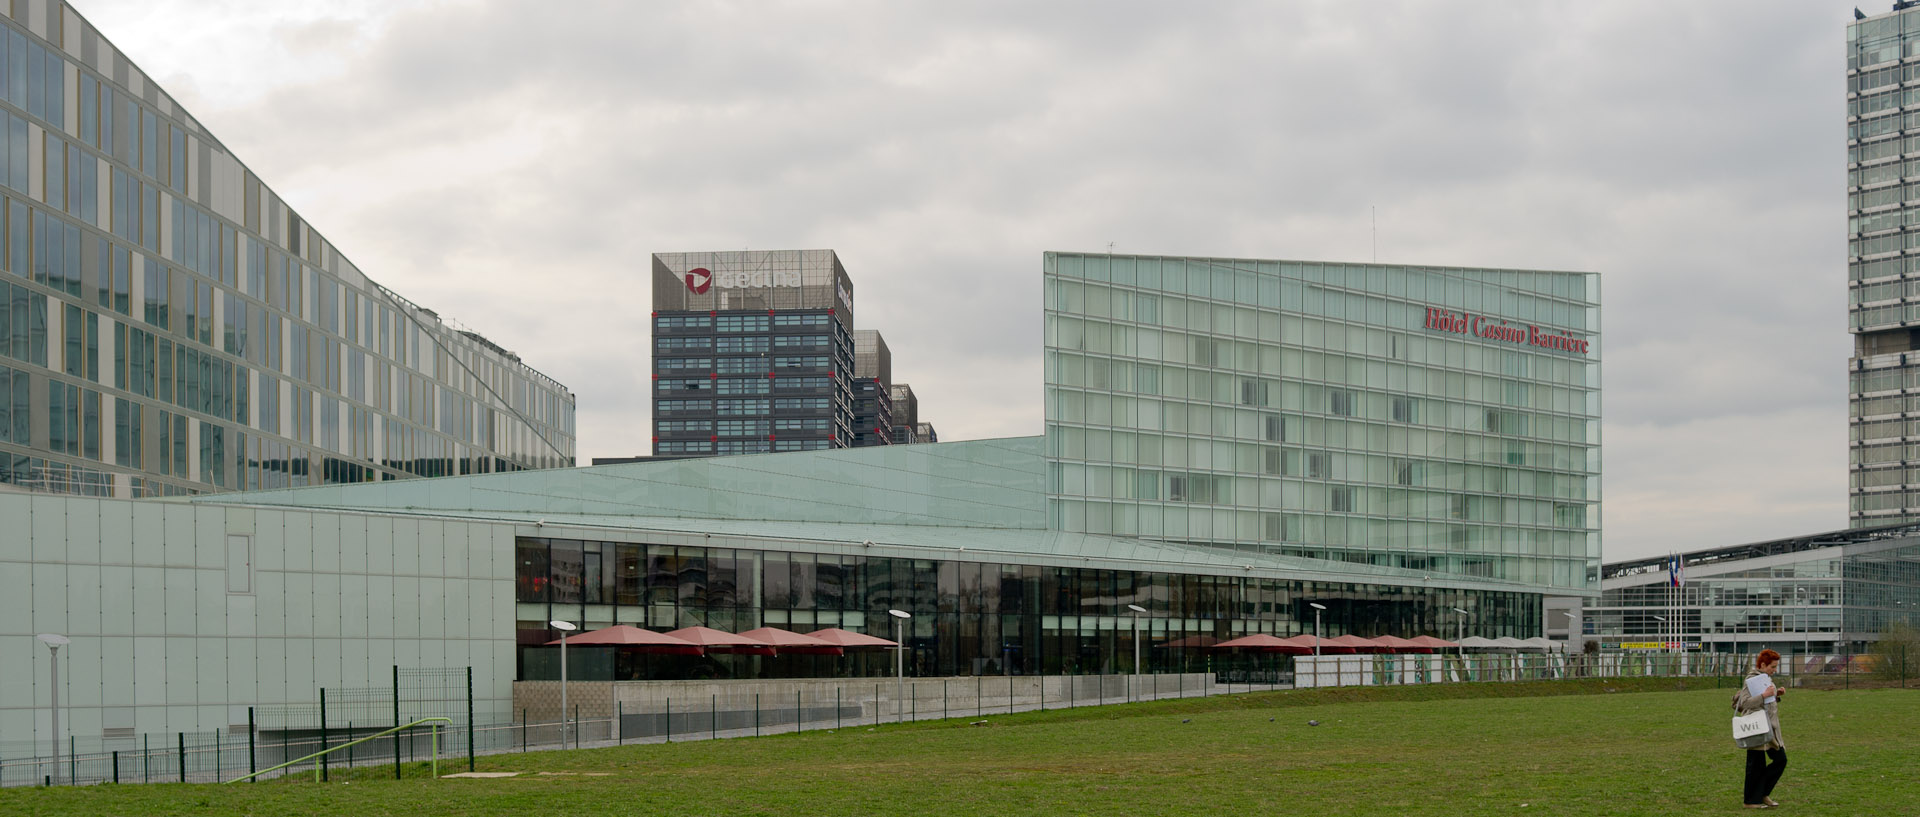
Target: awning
1544,643
788,642
628,636
1511,643
718,642
848,639
1433,643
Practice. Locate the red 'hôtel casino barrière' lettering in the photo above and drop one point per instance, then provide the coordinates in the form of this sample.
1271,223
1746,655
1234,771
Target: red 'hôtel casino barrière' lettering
1481,326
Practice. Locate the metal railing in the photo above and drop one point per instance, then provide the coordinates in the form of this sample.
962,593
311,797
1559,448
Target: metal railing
318,766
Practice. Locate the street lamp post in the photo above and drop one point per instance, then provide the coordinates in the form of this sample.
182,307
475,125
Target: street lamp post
1317,607
899,664
54,642
1460,635
564,627
1137,610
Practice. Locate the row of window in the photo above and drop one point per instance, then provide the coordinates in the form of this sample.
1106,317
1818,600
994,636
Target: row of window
729,322
737,428
729,447
784,405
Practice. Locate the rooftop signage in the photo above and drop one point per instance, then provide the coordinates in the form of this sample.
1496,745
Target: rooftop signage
1497,329
701,278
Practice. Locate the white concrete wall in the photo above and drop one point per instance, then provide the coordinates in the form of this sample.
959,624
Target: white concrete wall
162,642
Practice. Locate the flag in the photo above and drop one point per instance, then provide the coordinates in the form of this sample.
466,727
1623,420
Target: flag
1673,571
1679,572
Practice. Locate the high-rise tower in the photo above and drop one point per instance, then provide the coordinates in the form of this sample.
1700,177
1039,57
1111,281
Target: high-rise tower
1883,267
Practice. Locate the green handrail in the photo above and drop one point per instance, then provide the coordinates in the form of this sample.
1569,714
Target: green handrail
316,767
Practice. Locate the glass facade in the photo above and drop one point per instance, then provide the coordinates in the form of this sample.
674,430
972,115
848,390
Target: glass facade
168,325
969,617
1438,420
1834,599
1883,263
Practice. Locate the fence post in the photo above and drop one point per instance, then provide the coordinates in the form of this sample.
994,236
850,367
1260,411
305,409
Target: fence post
836,706
756,714
523,732
396,721
146,752
576,729
713,714
620,720
799,713
183,757
324,770
470,721
946,703
252,767
73,758
116,765
669,719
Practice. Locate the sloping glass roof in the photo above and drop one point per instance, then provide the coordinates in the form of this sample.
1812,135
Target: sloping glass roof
979,483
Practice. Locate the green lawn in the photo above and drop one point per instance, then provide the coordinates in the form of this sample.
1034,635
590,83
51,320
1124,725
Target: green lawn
1513,749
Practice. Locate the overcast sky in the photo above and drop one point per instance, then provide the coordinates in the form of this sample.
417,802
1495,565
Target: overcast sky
512,165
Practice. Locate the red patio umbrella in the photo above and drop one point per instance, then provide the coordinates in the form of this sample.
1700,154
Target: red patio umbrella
1433,643
1356,642
848,639
788,642
1261,643
628,636
1398,644
718,642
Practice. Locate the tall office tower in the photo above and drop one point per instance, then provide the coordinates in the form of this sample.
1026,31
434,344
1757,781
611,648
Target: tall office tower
1883,266
872,401
173,327
906,414
752,352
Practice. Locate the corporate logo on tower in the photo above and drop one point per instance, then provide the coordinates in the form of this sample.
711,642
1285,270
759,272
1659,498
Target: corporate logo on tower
699,280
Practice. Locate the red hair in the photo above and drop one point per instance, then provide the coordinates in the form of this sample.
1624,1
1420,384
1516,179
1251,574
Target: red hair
1766,657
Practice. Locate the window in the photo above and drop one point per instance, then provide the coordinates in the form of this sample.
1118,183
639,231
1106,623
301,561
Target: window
740,323
676,384
682,364
749,385
803,382
742,408
1403,409
1340,401
756,345
1319,465
683,426
743,447
742,428
801,320
670,406
683,322
683,447
682,344
742,365
786,404
1340,499
819,426
801,342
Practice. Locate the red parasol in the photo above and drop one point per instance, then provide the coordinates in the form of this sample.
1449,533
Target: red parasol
789,642
718,642
629,636
848,639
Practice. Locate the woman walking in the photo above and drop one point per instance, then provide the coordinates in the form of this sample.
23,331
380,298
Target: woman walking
1761,774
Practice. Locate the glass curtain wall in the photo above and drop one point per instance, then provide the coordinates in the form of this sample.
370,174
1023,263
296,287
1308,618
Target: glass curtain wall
969,618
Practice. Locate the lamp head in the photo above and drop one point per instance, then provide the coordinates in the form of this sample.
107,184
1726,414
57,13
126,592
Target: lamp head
54,640
562,626
1316,605
1461,612
1136,608
899,614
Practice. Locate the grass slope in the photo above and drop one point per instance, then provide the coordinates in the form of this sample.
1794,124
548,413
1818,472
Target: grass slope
1512,749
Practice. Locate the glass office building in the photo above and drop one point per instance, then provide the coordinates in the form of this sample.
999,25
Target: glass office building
1444,421
169,325
1883,266
753,352
1820,594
